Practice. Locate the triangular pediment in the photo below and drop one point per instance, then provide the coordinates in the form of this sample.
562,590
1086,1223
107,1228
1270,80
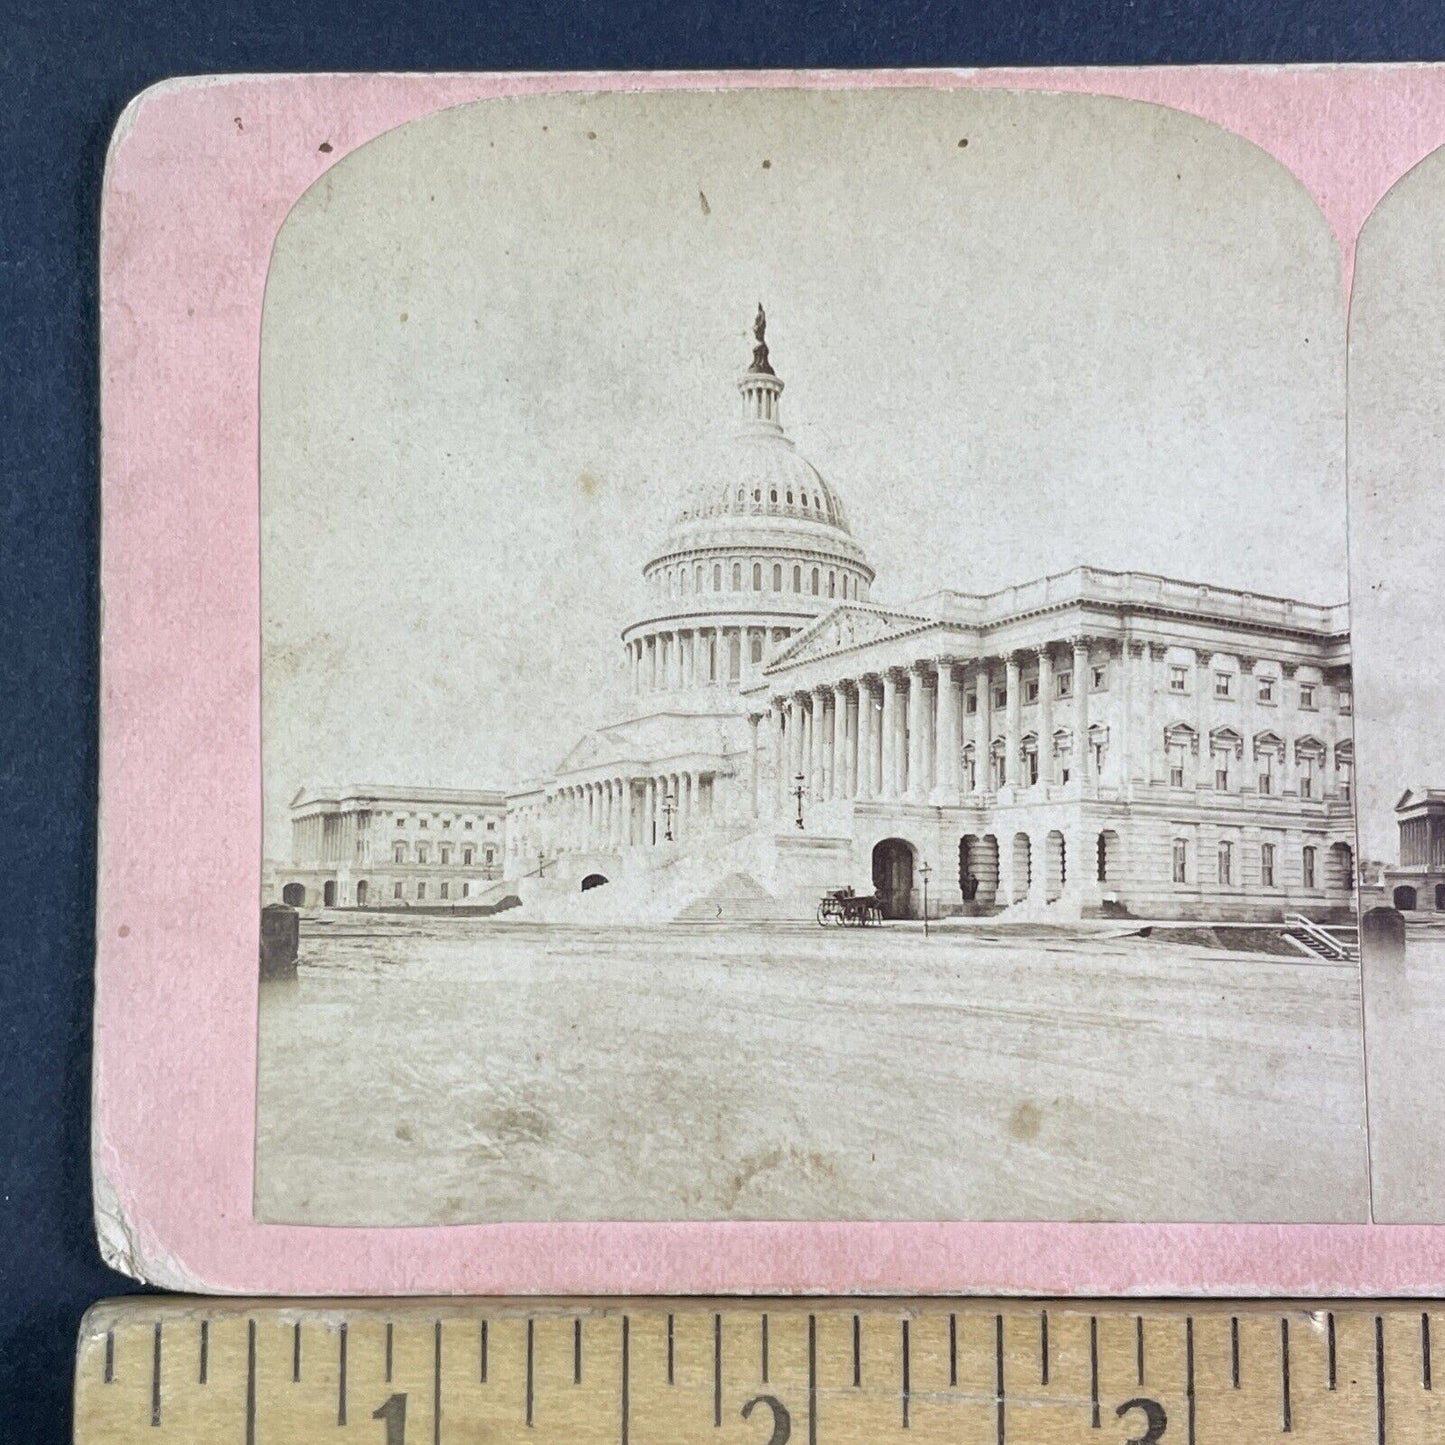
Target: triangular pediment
841,628
656,737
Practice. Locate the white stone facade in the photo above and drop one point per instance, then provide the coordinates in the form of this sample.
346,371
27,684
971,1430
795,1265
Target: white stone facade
390,847
1092,741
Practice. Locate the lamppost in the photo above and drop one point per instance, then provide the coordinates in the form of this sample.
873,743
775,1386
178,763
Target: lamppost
798,791
925,870
669,807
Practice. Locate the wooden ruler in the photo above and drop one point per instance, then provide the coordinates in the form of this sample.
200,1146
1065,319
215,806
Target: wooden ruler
731,1372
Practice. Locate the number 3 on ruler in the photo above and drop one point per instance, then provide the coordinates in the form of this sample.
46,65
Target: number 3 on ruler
1157,1421
394,1413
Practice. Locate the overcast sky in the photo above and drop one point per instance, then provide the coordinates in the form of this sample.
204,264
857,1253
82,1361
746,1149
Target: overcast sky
1397,499
496,342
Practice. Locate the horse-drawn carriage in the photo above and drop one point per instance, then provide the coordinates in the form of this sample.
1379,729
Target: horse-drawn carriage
849,909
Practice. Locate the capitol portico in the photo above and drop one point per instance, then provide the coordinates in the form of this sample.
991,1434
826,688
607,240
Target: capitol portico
1090,741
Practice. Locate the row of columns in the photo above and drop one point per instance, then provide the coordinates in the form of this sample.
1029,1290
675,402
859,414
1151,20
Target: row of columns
900,733
691,657
626,812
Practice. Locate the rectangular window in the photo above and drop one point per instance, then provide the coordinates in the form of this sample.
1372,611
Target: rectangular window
1176,775
1347,702
396,890
466,890
1266,782
1307,694
1221,777
491,855
491,825
1181,861
1000,697
1099,678
468,825
422,823
1226,862
1222,684
446,855
1266,689
446,887
1033,761
1178,679
1266,864
467,854
970,702
1306,785
1031,690
421,853
420,891
446,822
401,822
1309,864
398,854
1064,684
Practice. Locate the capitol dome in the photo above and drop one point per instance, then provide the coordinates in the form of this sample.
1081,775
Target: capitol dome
758,548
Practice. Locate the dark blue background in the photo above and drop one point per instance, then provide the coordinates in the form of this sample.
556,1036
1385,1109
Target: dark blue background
67,70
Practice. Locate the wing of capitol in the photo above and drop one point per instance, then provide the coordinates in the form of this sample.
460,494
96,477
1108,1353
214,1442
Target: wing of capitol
1084,744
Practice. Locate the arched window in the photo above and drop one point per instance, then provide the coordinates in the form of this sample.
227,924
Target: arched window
757,576
742,496
682,580
755,647
790,499
797,579
757,494
815,581
773,496
804,499
717,576
1309,868
697,578
777,576
832,584
1181,861
737,576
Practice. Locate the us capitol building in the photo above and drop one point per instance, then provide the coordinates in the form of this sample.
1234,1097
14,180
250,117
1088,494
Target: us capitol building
1089,742
1086,743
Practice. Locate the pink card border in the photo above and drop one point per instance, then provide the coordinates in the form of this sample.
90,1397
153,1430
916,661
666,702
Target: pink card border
200,176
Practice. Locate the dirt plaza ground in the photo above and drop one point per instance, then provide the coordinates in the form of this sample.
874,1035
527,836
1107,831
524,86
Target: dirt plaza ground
439,1070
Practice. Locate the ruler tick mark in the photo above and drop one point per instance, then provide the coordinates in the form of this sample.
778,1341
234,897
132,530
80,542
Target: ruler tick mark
436,1385
341,1377
1286,1423
1189,1376
1379,1381
998,1373
1330,1347
1425,1351
577,1351
296,1352
1139,1347
1044,1347
627,1368
857,1354
952,1350
250,1382
717,1371
484,1352
813,1374
1234,1350
1094,1370
529,1373
907,1380
156,1377
388,1351
669,1350
205,1351
765,1349
109,1356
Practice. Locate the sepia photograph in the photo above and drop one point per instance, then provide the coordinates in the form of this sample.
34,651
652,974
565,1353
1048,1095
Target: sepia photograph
807,669
1397,536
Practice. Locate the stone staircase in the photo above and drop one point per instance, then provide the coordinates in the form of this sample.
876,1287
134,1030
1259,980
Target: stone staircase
1336,945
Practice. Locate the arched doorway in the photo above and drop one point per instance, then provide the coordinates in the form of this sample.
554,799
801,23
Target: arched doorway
1341,867
1055,866
294,894
592,880
1404,898
893,877
361,894
1023,879
328,893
